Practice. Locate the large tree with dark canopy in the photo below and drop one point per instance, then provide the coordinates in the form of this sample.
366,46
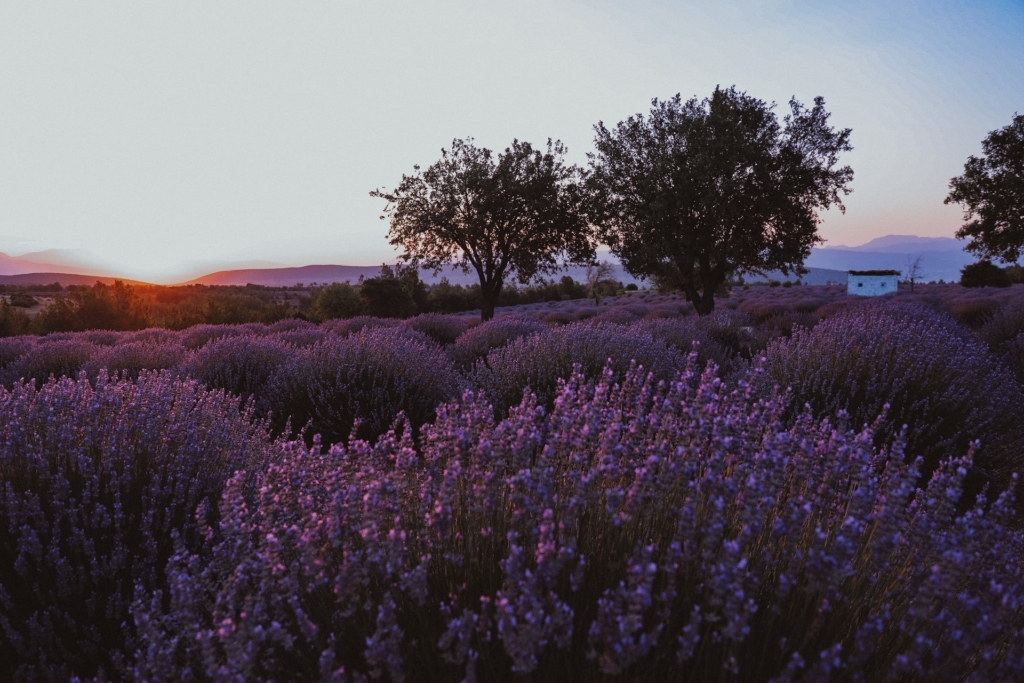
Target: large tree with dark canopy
991,190
703,189
518,213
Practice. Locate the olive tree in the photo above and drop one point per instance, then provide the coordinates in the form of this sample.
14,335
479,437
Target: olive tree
700,190
521,212
991,190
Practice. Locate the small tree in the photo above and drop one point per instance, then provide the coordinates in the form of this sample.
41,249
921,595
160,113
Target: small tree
518,213
991,190
390,294
595,273
701,190
337,300
912,273
984,274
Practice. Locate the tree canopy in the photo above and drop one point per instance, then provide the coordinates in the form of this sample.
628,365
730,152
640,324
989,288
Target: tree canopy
518,213
699,190
991,190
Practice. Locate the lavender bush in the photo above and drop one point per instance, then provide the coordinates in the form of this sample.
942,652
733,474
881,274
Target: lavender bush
98,486
539,361
198,336
302,337
345,327
443,329
371,376
931,374
12,350
131,358
241,365
683,333
474,344
637,533
59,358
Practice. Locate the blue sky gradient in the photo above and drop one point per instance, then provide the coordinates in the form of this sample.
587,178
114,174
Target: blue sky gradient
162,134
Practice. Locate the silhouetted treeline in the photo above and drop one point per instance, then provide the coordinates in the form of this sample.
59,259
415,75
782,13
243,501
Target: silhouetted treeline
397,292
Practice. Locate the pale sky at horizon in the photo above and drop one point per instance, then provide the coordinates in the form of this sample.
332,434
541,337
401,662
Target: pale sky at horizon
155,134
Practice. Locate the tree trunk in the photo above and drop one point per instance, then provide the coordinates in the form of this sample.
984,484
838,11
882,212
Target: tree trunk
704,304
487,309
489,292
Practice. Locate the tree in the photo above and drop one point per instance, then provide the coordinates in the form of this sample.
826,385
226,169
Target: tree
100,307
984,274
391,294
595,273
912,273
701,190
991,190
13,322
337,300
518,213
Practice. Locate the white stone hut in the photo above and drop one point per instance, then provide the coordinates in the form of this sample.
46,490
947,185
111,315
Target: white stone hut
872,282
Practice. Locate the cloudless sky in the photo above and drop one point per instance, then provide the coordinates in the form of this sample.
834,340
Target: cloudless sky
154,134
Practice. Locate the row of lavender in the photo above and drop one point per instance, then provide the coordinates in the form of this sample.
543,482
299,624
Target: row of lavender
696,529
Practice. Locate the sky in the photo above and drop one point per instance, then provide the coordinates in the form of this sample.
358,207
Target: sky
163,137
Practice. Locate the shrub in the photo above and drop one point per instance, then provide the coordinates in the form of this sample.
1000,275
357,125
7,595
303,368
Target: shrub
733,330
1012,352
337,300
443,329
61,358
539,361
682,334
475,343
13,322
635,534
197,336
984,274
759,311
616,315
1004,325
291,325
130,359
12,350
303,337
97,488
240,365
931,375
344,328
561,317
153,335
104,337
371,376
972,311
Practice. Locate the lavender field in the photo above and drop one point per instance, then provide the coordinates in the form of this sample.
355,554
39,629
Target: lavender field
801,486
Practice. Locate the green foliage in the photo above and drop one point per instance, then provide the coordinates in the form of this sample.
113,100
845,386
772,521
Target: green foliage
100,307
337,300
984,274
700,190
388,295
516,213
991,190
13,322
23,300
1015,273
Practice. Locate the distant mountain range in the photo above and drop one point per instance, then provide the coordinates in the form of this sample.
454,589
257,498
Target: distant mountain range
324,274
941,258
